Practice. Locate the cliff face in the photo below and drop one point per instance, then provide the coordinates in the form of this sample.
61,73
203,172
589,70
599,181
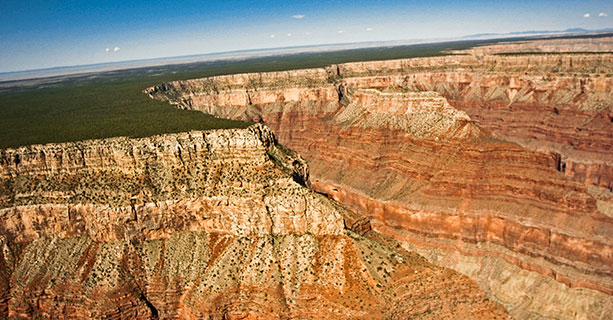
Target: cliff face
546,103
560,104
200,225
382,139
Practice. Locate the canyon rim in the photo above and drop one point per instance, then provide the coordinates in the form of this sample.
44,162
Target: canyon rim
495,165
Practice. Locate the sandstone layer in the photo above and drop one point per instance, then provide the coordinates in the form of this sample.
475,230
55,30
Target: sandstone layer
561,104
421,146
211,225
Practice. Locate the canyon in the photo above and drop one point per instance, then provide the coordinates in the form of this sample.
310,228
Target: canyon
474,185
497,166
216,224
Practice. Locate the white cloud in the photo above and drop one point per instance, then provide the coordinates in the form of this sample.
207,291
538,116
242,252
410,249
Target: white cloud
602,14
289,34
341,31
272,36
107,49
116,49
587,15
307,33
298,16
368,29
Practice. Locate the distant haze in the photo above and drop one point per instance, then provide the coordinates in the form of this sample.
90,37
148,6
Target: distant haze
45,34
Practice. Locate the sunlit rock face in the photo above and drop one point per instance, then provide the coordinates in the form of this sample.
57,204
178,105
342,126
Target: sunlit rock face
561,104
496,166
201,225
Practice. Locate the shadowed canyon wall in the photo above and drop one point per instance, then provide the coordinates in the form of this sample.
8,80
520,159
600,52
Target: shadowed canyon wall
496,166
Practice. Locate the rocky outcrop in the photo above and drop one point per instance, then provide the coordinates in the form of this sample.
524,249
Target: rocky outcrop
443,178
213,224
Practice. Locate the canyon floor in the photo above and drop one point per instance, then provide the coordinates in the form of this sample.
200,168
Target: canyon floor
476,185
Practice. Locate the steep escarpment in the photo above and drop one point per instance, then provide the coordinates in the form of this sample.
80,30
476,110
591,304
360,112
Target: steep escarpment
443,178
546,103
213,224
560,104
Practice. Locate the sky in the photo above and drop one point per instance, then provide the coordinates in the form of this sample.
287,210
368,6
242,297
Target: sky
44,34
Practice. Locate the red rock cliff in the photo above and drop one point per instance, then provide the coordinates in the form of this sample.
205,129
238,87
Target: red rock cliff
212,225
441,178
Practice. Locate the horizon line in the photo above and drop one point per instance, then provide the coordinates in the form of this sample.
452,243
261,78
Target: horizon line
375,44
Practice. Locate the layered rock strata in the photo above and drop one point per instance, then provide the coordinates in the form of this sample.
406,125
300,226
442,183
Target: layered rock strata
547,103
382,139
214,225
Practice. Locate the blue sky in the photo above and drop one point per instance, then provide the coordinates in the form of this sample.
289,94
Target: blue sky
42,34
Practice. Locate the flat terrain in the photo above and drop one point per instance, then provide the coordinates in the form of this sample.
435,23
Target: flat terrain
107,104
